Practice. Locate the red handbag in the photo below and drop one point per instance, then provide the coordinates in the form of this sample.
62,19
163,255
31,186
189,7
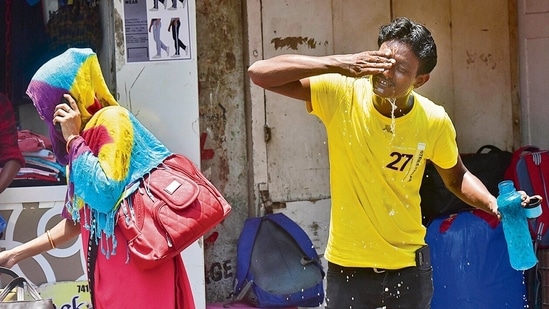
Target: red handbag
173,207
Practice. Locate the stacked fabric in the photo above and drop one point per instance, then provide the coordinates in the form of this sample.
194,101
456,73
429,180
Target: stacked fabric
41,167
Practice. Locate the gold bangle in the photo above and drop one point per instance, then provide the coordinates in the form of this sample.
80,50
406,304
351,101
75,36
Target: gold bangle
52,244
69,140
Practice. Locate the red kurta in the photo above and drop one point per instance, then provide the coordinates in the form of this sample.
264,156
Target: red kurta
120,284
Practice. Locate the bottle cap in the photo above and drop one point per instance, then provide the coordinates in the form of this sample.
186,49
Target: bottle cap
533,209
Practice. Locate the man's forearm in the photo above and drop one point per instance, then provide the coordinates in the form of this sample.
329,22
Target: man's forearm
475,193
9,170
284,69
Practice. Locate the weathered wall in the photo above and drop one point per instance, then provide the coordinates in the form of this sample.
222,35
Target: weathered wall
222,82
473,81
222,131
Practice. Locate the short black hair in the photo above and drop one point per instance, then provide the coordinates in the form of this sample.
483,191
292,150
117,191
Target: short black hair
415,35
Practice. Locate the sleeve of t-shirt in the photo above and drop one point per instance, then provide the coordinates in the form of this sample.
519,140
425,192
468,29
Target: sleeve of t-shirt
445,151
327,92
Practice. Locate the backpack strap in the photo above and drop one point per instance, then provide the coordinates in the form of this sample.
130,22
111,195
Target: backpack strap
523,180
537,166
492,148
511,171
244,248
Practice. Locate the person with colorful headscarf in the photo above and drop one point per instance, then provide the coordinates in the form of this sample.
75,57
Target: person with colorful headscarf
106,150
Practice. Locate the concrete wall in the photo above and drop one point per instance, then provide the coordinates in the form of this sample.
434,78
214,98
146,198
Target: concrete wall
222,109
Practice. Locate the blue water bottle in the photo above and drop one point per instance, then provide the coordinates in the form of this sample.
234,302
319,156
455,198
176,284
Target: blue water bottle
515,227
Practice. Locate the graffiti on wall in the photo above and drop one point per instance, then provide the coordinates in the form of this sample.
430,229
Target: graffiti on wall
218,271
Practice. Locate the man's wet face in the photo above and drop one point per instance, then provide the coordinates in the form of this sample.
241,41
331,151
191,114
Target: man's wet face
399,80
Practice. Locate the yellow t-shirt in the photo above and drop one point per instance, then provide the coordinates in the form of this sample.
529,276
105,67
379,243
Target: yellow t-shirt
376,169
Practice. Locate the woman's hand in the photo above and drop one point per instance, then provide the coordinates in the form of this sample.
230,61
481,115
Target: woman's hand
6,259
68,116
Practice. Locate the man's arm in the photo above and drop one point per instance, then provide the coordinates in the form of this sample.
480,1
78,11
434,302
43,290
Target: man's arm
460,181
11,158
8,172
288,74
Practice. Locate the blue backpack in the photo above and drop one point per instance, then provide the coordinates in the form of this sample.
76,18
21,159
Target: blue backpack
277,264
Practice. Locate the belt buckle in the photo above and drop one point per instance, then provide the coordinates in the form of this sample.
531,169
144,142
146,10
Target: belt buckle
378,271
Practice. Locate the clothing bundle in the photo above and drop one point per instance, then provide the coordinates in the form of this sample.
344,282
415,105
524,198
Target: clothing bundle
41,167
32,150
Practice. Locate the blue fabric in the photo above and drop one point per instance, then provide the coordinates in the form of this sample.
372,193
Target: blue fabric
471,267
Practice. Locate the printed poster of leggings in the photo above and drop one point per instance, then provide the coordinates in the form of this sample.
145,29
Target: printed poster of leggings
157,30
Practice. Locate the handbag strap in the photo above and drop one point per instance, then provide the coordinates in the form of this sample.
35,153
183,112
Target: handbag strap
21,282
91,259
13,275
7,271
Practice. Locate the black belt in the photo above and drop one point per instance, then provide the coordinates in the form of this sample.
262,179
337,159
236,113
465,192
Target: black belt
376,270
423,261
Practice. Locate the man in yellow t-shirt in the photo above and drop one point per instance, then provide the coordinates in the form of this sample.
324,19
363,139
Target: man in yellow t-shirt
380,134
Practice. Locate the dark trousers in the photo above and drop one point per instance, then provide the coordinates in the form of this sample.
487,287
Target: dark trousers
176,41
364,288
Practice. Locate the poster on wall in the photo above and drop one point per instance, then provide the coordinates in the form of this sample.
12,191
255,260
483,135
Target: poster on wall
67,294
156,30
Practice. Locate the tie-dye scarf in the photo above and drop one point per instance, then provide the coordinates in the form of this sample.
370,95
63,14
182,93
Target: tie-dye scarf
76,71
115,149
